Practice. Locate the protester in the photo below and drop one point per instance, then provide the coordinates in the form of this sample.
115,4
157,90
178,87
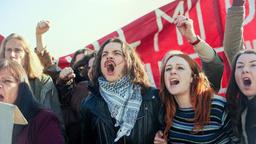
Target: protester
14,47
71,82
72,92
212,64
47,60
241,90
122,108
193,113
43,126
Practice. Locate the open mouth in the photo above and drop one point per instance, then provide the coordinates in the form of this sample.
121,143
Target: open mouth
174,82
247,81
110,65
1,98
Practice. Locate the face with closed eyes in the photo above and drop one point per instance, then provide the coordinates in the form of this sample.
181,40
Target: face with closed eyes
245,74
113,65
177,76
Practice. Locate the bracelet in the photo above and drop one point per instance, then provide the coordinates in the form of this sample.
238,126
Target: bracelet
195,42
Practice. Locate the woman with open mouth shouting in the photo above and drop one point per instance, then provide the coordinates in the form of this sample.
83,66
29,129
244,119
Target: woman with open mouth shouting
241,97
43,125
122,108
241,90
193,113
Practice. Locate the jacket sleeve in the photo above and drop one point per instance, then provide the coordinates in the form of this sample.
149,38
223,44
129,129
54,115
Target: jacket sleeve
65,89
212,64
51,100
227,127
214,71
47,130
233,36
86,131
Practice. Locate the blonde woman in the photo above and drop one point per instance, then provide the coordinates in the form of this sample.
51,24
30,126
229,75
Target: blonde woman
14,47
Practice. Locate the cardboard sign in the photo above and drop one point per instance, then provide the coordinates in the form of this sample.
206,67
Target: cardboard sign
9,115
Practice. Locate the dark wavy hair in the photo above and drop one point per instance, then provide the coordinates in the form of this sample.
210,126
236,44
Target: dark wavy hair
200,94
84,62
84,51
133,63
236,100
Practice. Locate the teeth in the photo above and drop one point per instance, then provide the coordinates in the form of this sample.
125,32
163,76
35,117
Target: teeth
174,81
246,78
247,81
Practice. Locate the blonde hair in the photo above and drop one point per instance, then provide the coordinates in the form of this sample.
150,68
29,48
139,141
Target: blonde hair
32,65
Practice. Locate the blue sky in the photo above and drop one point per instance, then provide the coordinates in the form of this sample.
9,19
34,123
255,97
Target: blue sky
74,23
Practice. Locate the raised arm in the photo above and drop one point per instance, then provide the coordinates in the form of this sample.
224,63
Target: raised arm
211,63
45,57
233,36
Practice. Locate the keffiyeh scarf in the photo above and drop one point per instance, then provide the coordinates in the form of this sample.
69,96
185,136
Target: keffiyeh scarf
123,99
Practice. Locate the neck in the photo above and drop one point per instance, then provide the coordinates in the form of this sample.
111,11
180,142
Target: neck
183,100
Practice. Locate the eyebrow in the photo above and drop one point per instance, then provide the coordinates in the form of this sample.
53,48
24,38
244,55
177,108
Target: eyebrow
8,77
240,62
113,51
176,64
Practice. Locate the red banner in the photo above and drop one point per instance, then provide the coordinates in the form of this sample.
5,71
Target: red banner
154,34
1,38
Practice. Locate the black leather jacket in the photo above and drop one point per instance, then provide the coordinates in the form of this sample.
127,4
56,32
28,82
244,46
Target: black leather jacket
98,126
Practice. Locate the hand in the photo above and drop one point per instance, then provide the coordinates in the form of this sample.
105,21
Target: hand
185,26
238,2
67,74
42,27
46,58
159,138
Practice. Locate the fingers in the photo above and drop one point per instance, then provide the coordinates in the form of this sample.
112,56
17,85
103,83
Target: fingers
159,138
43,24
42,27
67,73
182,21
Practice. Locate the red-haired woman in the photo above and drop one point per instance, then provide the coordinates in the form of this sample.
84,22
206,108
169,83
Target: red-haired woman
193,113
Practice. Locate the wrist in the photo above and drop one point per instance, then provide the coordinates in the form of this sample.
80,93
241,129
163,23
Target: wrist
192,39
238,2
195,40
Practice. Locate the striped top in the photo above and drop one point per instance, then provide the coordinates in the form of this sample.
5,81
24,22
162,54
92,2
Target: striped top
217,131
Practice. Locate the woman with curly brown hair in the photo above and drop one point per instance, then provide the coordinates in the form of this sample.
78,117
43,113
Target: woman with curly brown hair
122,108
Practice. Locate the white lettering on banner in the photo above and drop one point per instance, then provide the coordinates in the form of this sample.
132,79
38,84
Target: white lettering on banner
200,20
160,66
248,44
251,15
121,34
150,74
68,59
159,14
178,10
254,44
227,4
96,45
122,37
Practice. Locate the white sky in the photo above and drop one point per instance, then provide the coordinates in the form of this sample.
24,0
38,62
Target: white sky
74,23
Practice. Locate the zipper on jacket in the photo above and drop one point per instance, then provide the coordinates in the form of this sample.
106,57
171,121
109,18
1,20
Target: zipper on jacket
146,119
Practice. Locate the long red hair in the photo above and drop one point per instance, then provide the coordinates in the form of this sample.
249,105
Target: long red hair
200,93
